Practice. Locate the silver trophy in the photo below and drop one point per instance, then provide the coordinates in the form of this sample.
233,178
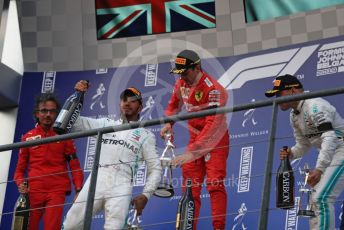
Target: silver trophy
306,192
133,220
165,188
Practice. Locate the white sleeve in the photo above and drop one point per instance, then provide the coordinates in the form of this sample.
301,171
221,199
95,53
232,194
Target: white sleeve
86,123
302,144
323,114
329,144
153,165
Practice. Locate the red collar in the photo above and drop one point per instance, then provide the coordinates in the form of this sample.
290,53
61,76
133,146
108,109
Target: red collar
41,129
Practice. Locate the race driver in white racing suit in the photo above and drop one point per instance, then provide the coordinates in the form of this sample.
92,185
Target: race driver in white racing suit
316,123
121,154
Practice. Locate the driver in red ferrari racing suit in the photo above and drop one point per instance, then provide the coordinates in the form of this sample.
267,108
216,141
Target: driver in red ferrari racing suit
208,147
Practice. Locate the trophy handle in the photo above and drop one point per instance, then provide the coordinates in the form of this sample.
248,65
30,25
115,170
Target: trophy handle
308,212
132,215
134,220
168,153
165,188
307,171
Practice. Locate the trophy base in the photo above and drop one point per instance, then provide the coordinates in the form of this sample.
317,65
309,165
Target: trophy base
306,213
164,191
133,228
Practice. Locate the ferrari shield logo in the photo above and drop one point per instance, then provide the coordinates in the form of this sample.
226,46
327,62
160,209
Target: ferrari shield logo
198,95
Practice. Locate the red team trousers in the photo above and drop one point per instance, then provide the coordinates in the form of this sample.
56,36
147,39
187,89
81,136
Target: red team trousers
213,166
49,204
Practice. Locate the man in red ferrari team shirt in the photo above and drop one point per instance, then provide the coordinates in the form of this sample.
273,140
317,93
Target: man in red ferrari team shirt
46,165
208,147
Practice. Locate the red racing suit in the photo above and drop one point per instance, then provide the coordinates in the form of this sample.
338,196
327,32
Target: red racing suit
48,178
209,142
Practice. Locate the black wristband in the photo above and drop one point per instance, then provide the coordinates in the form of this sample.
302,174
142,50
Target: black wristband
327,126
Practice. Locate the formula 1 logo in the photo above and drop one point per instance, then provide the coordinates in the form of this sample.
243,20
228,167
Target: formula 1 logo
265,65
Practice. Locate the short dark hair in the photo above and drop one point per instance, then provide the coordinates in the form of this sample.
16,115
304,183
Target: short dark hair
42,98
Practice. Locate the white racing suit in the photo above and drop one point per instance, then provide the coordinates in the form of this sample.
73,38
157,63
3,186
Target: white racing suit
319,125
121,154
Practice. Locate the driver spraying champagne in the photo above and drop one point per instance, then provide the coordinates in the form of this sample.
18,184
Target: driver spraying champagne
121,155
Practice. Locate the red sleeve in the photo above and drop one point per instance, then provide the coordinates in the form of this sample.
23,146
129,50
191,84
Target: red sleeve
176,102
74,165
215,126
70,147
23,158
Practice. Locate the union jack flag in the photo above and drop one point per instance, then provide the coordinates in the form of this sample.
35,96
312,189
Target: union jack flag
125,18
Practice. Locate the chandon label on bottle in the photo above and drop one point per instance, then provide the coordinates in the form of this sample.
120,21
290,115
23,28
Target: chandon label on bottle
190,215
285,184
74,116
286,187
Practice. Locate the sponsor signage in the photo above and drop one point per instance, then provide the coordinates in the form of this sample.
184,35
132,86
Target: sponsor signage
319,64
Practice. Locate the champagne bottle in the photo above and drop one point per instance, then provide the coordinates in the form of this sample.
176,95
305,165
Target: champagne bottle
179,211
21,212
69,113
285,184
187,208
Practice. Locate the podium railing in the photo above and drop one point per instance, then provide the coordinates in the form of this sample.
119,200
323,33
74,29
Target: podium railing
263,218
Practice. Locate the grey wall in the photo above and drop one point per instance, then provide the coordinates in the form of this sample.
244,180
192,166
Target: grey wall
11,58
1,5
61,35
